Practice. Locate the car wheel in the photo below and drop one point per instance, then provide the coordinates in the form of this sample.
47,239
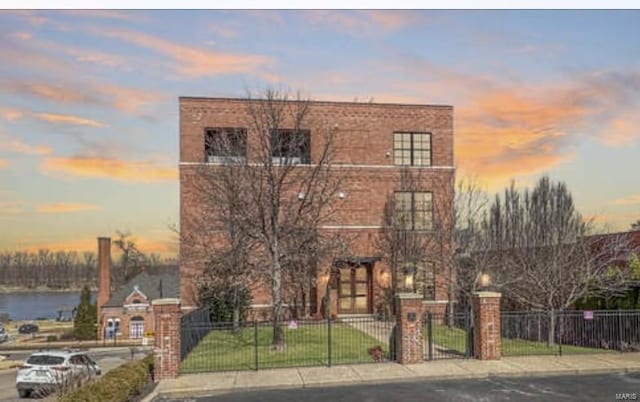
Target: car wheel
24,393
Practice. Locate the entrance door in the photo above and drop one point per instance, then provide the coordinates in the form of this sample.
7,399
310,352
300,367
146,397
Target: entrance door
354,291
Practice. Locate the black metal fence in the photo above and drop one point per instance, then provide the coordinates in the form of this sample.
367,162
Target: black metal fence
208,346
569,332
445,339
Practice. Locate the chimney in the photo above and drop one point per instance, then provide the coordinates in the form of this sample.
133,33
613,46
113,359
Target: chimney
104,271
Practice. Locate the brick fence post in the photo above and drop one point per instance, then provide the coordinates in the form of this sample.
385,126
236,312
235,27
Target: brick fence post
487,342
409,341
166,318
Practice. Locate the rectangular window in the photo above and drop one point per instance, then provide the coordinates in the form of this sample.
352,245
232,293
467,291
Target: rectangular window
290,147
413,210
426,280
225,144
412,149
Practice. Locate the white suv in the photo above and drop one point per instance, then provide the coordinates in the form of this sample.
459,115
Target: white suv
47,370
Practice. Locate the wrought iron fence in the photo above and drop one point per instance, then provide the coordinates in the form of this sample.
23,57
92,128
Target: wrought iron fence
208,346
445,339
569,332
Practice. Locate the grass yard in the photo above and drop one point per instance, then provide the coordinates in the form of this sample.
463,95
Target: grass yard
455,339
221,350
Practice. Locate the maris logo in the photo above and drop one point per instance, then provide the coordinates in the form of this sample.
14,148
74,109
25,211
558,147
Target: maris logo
627,396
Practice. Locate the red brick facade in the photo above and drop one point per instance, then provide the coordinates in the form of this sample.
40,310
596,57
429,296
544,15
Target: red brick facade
364,154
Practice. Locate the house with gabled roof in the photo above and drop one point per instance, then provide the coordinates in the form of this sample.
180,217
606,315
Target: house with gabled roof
126,313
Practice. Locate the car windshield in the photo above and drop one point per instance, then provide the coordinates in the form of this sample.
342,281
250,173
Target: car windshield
45,360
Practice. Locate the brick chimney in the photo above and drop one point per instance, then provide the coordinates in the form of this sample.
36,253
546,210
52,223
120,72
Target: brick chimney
104,271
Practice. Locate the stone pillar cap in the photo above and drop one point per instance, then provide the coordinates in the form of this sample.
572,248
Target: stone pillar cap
166,301
487,294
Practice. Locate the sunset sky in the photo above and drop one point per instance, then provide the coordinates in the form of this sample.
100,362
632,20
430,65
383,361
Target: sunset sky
89,102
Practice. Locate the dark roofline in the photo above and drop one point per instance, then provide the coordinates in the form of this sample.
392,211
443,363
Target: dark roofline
317,102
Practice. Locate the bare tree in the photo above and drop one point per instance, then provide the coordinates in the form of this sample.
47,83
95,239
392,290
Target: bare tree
543,254
459,228
407,241
271,192
131,259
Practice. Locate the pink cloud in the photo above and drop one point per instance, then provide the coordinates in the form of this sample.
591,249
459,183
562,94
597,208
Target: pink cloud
364,22
68,119
101,94
110,168
3,163
16,146
65,207
11,114
192,61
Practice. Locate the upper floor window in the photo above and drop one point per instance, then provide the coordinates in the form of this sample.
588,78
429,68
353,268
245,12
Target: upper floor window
426,280
225,144
290,147
412,149
413,210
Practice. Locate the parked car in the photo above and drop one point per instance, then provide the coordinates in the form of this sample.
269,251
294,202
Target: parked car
28,329
47,370
3,335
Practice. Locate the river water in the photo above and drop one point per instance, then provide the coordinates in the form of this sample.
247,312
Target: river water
33,305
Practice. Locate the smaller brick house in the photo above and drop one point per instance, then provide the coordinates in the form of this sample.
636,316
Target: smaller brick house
126,313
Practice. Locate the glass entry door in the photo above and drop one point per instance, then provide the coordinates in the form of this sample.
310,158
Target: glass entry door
354,285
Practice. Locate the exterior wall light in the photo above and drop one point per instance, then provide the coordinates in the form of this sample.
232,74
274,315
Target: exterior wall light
409,274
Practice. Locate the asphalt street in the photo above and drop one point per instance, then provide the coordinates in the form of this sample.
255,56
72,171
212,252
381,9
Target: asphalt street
608,387
107,359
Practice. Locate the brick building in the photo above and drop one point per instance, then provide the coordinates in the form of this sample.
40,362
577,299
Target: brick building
126,312
374,144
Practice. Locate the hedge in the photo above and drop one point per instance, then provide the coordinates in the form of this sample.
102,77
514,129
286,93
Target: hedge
118,385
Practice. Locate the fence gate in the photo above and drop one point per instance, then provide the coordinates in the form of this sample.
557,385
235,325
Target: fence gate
447,337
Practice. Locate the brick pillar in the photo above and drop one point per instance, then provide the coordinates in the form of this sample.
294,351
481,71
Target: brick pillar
166,318
409,320
487,343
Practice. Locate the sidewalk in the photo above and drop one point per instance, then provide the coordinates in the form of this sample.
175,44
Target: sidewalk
219,383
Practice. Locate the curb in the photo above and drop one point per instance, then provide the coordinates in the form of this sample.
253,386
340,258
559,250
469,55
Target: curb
157,396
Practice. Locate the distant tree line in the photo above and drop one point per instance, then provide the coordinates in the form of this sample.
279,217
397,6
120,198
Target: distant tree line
71,269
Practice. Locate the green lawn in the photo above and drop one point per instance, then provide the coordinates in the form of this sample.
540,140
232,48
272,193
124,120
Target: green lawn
305,346
454,339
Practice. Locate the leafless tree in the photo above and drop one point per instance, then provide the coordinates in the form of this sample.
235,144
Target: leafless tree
269,192
131,261
543,253
404,243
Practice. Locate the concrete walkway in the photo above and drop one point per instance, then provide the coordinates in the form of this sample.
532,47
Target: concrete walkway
217,383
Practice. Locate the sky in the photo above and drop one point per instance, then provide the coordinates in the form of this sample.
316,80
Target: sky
89,102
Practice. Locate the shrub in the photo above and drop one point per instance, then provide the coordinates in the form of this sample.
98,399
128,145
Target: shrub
118,385
52,338
67,336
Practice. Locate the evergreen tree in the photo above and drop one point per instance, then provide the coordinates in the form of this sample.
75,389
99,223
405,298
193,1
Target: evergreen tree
85,320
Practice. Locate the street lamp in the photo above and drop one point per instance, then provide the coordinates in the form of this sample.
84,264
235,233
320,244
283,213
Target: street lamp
483,280
409,274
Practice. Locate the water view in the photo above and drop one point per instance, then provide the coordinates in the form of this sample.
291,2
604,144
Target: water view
30,306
